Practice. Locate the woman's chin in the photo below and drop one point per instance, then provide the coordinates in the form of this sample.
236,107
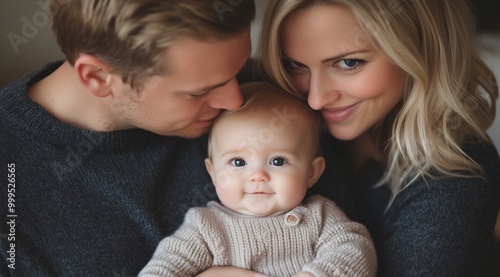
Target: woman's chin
343,132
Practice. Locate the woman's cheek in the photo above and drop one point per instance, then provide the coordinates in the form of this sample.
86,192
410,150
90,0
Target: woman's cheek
384,80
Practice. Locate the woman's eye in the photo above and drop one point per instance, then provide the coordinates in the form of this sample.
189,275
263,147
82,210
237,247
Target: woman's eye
349,64
292,65
278,161
238,162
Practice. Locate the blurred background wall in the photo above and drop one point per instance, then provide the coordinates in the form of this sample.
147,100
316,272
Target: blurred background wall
26,42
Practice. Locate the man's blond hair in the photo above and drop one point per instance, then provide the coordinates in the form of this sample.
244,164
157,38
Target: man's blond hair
131,36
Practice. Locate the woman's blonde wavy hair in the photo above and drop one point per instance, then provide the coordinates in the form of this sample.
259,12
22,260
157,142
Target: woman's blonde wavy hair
450,94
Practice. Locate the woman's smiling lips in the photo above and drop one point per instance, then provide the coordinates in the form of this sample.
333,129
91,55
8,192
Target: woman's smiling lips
336,115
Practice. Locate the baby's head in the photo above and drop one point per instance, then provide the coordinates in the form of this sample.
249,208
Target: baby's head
264,156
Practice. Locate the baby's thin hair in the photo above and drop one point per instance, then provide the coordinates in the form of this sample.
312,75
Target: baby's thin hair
263,99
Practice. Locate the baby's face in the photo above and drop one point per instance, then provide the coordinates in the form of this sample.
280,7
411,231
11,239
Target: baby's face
262,166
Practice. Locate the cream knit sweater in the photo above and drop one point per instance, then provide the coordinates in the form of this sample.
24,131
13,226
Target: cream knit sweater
316,237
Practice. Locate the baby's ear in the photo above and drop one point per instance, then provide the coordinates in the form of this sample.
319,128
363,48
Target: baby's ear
208,165
317,168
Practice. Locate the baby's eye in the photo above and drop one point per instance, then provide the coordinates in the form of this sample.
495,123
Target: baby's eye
278,161
238,162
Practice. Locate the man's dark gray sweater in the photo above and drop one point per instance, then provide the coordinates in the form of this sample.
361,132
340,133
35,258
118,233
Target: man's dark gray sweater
88,203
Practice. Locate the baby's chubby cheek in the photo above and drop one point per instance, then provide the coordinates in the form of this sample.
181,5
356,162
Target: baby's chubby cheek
222,179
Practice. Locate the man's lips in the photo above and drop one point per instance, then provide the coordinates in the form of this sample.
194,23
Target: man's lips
207,120
336,115
210,118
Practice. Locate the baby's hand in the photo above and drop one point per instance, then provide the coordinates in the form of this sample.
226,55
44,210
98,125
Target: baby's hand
304,274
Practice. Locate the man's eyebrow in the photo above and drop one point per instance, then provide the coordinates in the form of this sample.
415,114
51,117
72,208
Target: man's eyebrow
211,87
207,88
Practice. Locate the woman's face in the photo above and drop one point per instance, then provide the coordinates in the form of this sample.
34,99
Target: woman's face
331,58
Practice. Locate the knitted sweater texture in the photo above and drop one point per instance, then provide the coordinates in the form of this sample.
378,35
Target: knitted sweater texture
316,237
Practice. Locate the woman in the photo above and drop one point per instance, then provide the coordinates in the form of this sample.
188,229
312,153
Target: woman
399,83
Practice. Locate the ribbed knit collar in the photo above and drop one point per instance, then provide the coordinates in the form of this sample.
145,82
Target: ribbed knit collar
224,209
19,112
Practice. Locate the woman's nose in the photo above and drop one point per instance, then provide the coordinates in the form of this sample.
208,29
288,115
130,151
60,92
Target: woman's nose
322,90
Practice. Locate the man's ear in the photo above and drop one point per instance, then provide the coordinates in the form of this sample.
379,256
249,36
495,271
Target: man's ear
93,74
317,168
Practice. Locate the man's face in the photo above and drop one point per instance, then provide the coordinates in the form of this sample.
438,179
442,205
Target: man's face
200,83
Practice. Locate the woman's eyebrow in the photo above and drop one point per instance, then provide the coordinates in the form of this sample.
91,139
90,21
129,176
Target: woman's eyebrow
340,56
336,57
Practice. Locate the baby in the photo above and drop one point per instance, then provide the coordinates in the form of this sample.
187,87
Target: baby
262,159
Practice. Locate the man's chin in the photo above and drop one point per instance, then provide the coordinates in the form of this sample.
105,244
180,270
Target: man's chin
188,134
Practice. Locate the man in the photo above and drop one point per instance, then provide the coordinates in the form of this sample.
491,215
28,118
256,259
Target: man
101,151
